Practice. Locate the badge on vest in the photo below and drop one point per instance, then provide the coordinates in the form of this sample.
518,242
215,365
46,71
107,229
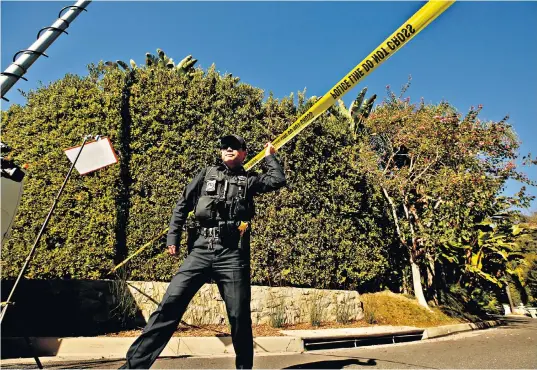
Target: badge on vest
241,180
211,186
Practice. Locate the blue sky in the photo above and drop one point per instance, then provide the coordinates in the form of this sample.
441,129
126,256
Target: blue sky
474,53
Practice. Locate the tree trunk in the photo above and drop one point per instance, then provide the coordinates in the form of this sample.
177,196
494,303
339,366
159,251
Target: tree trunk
405,283
508,291
440,283
416,273
431,279
416,281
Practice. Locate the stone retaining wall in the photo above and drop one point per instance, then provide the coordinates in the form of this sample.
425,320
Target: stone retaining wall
269,305
89,307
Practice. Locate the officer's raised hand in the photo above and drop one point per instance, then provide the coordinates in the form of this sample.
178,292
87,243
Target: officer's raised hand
172,249
269,149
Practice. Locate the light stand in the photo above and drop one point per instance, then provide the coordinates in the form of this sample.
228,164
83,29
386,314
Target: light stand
7,303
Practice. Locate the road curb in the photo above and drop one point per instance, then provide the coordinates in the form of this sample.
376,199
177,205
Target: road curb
116,347
441,331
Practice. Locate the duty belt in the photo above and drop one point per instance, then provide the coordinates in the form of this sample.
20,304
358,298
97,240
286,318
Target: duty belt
222,228
213,233
210,231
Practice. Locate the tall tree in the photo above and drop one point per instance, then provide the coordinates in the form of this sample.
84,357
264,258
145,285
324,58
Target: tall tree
438,171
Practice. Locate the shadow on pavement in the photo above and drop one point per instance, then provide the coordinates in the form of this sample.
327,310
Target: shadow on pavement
70,308
77,364
332,364
86,364
517,322
364,362
20,348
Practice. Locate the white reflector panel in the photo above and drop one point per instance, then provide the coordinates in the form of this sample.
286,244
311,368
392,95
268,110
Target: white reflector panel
95,155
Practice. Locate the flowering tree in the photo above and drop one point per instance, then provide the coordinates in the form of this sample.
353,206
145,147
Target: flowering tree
440,173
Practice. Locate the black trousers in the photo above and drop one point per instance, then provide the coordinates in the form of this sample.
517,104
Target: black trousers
229,267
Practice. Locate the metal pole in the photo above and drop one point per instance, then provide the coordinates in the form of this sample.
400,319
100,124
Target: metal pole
36,359
8,302
20,66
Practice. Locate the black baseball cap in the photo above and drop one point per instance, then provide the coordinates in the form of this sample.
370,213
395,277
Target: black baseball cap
234,141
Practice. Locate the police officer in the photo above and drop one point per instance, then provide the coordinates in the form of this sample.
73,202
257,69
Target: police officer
221,201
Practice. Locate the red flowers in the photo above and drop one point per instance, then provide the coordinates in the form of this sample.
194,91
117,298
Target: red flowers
510,165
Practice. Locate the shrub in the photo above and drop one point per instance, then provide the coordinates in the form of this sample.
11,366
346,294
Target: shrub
325,229
278,317
316,309
343,311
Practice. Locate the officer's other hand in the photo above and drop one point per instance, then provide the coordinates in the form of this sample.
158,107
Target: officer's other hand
269,149
172,249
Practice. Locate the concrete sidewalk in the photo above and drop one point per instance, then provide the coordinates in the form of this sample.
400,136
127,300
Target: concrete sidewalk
293,341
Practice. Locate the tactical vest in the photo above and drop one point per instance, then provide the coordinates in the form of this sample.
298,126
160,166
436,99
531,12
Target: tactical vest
223,198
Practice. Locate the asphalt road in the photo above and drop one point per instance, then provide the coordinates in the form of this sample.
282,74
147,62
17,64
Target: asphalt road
513,346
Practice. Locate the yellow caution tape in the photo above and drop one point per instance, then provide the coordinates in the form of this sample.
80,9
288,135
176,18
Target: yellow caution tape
394,42
140,250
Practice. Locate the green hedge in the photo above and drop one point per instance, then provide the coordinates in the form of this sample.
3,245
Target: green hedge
326,229
80,238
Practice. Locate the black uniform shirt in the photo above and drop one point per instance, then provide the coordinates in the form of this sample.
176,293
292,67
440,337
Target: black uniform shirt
272,180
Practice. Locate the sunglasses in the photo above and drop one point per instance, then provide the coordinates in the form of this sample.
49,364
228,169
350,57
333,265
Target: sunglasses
232,146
